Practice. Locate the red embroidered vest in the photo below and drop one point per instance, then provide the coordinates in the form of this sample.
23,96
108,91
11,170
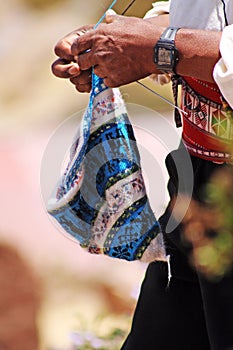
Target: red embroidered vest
208,124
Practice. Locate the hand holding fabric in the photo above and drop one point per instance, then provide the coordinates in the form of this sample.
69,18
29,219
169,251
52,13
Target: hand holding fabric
66,67
121,50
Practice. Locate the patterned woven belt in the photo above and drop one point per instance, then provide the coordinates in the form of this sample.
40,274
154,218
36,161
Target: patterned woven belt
208,124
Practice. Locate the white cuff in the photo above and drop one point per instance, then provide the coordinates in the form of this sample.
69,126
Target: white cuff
159,8
223,70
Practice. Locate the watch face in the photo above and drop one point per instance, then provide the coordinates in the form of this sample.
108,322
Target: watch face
164,56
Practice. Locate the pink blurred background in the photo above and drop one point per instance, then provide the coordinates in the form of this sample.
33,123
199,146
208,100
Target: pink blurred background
33,103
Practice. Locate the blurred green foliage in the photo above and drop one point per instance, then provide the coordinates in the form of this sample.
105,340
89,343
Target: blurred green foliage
209,227
217,258
91,340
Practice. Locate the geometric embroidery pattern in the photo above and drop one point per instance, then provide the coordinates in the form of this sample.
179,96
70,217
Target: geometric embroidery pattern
221,124
209,117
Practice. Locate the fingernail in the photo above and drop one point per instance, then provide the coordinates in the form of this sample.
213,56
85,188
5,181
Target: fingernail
110,12
73,70
110,16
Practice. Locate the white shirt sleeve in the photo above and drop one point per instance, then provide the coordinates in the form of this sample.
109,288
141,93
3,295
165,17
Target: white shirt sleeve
223,70
159,8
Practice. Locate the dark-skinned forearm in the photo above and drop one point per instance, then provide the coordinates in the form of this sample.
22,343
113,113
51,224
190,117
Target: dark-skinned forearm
198,49
199,52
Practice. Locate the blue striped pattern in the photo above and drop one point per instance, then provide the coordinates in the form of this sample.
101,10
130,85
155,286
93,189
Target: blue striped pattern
109,155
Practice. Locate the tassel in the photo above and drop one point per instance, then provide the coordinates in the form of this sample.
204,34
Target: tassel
176,81
169,270
177,118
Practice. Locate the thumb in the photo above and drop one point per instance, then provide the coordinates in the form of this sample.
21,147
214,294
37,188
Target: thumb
112,16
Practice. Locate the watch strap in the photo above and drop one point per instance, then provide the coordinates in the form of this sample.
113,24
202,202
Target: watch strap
166,55
169,34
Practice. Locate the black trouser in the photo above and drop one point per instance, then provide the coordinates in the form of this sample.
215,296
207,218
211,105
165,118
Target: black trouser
192,313
187,315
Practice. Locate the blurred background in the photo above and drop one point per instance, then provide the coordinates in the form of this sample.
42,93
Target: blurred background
53,296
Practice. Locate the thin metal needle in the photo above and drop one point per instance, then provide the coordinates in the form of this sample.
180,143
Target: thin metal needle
104,15
163,98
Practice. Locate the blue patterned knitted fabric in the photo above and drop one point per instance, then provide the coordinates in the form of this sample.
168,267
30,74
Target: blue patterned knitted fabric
101,199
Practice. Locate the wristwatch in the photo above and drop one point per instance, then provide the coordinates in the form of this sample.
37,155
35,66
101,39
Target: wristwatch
166,55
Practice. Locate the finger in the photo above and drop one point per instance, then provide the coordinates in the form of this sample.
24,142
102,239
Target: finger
111,16
63,47
83,44
86,60
83,87
74,69
63,69
83,79
100,71
111,83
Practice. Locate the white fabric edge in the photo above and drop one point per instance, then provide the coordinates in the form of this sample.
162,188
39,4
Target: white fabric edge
223,70
159,8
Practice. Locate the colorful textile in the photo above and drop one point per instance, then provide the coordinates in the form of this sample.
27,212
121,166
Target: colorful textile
101,199
208,124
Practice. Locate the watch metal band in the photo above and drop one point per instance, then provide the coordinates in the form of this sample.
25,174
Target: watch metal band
166,55
169,34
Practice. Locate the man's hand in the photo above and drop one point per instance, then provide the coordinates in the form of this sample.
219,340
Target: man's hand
66,67
121,50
